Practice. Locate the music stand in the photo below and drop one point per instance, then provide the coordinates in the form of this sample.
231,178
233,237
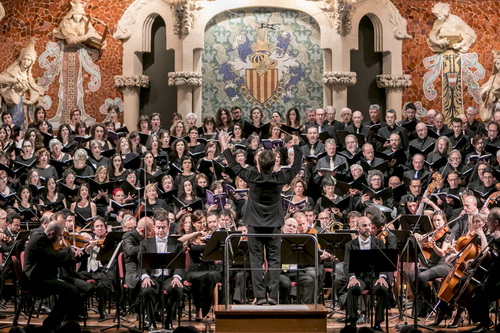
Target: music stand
300,250
216,244
108,247
242,258
371,261
169,260
416,224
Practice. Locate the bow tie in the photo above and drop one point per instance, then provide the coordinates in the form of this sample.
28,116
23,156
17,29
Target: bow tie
159,240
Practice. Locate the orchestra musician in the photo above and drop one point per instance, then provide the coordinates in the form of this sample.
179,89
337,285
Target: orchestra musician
41,263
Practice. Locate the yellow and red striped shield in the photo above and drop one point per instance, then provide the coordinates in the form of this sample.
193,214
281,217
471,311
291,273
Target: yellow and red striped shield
261,86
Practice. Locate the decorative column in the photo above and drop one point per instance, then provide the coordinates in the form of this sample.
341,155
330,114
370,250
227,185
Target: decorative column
394,85
130,85
188,84
339,81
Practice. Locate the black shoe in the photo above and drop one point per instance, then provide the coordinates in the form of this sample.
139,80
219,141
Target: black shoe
483,328
261,301
439,317
361,320
103,315
44,309
272,301
459,319
168,325
377,328
341,320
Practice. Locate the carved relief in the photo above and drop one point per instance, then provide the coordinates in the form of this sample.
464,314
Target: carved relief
394,81
185,79
398,22
124,27
2,12
339,80
340,11
131,81
185,12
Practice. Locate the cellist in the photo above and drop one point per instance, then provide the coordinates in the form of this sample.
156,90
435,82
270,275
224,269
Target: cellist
489,289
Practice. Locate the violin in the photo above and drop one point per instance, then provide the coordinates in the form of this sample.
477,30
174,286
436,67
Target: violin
436,178
383,235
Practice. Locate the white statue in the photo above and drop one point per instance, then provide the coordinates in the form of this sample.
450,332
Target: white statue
449,31
17,86
490,91
2,12
75,28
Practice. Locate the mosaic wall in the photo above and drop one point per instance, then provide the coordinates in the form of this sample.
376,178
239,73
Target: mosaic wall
26,18
266,57
481,15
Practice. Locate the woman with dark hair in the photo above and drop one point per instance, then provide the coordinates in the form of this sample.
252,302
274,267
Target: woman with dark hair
203,275
113,112
237,137
24,203
40,115
149,166
6,133
223,120
100,133
299,200
328,185
179,150
68,186
154,146
116,168
144,125
165,141
135,142
65,136
196,147
52,200
293,118
208,129
35,137
187,195
185,225
124,148
26,156
187,171
83,207
75,116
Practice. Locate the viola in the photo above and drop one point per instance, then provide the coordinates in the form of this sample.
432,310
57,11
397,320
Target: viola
440,233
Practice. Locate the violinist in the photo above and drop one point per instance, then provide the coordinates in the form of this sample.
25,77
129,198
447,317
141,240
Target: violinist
94,267
436,246
202,274
9,234
488,290
41,267
379,229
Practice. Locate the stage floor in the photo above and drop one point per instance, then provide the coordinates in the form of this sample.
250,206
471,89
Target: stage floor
94,325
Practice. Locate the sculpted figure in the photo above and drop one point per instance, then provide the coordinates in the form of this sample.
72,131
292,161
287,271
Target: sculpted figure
17,85
76,28
2,12
449,31
490,91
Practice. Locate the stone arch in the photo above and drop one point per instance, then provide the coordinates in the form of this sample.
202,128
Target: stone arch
390,30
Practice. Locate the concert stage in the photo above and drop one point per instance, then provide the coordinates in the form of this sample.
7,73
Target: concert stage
276,318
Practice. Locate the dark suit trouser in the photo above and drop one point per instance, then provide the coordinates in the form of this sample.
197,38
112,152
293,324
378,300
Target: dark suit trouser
381,298
479,305
152,301
256,246
65,305
305,283
103,287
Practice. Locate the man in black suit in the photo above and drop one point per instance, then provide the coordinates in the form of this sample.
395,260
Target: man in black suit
357,124
457,126
418,170
264,214
131,249
392,127
154,281
346,115
41,266
359,282
475,126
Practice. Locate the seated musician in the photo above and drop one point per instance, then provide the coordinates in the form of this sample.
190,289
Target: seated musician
435,247
41,263
155,281
359,282
131,251
488,290
203,275
94,268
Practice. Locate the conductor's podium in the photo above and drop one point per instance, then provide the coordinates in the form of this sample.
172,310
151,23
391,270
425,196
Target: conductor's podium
265,318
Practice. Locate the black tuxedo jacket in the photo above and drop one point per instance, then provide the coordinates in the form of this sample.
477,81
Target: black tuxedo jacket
264,208
173,246
354,245
131,249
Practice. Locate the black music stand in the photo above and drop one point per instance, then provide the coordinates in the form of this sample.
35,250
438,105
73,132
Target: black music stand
169,260
372,261
242,258
216,244
335,245
416,224
299,250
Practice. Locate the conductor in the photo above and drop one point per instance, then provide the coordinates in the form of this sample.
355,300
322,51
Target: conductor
263,214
